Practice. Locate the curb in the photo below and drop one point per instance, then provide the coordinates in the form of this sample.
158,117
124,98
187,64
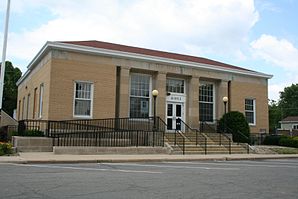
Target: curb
76,161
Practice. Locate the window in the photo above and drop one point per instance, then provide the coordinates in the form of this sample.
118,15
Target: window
139,95
23,108
250,111
83,99
41,88
175,86
206,102
19,110
295,126
34,103
28,106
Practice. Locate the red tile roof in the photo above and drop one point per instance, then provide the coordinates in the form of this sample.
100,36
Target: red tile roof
156,53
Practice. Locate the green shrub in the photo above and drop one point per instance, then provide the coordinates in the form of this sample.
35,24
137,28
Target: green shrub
237,125
5,148
28,133
33,133
281,141
272,140
288,141
3,135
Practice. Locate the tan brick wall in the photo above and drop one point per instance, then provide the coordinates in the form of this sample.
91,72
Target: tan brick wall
258,91
40,75
70,67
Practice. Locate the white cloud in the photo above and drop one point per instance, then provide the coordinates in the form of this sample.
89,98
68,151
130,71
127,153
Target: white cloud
213,27
279,52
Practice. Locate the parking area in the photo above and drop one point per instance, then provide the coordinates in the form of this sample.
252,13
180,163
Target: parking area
212,179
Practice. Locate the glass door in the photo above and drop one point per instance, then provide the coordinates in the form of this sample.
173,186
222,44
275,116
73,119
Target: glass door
174,116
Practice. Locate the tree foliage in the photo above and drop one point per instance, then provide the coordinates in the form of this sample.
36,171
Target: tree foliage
286,106
10,91
275,115
234,122
288,102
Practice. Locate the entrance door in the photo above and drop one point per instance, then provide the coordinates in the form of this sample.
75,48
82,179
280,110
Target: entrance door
175,112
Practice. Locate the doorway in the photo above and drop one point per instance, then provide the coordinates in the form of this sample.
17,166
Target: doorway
175,113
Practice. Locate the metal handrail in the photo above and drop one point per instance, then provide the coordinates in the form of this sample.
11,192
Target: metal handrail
205,123
179,133
197,135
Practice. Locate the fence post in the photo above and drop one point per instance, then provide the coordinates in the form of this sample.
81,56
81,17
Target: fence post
137,143
230,147
21,127
153,137
48,129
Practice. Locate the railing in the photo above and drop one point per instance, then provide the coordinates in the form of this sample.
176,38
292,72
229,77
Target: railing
226,145
109,138
242,139
180,140
200,138
83,130
34,125
209,126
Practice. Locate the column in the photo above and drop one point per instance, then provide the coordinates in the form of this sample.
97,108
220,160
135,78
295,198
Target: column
160,85
192,114
124,92
222,91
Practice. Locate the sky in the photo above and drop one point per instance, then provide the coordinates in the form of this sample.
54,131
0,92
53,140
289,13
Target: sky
260,35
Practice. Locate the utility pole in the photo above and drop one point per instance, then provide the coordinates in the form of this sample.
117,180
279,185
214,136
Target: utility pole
4,54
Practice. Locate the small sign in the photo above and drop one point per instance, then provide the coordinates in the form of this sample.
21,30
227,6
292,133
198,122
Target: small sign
176,98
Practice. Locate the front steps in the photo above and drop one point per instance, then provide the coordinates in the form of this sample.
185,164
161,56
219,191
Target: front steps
214,144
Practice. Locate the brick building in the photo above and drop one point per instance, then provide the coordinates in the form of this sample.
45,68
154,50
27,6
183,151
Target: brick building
92,79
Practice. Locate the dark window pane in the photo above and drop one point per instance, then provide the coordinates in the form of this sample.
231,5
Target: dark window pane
178,110
169,123
139,107
170,109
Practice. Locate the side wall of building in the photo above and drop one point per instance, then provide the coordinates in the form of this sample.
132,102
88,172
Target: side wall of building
68,68
244,88
31,104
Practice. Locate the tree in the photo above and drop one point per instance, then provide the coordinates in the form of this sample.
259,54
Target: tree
288,102
275,115
235,122
10,91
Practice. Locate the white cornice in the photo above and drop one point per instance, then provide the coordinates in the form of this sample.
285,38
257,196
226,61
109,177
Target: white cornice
121,54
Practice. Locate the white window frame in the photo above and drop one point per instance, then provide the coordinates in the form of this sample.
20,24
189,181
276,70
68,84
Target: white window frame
28,106
150,95
91,99
254,110
214,99
295,126
184,86
41,91
23,108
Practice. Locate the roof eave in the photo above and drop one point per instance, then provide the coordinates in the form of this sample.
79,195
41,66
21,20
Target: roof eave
122,54
158,59
32,64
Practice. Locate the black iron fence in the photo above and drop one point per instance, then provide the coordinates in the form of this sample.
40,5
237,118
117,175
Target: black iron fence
100,132
109,138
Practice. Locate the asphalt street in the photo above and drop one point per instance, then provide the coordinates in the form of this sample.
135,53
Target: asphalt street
212,179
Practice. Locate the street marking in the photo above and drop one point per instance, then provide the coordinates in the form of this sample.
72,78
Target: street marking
269,162
234,164
169,166
86,169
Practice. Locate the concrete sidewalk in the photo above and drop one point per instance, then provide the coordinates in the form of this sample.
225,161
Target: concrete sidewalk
49,157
